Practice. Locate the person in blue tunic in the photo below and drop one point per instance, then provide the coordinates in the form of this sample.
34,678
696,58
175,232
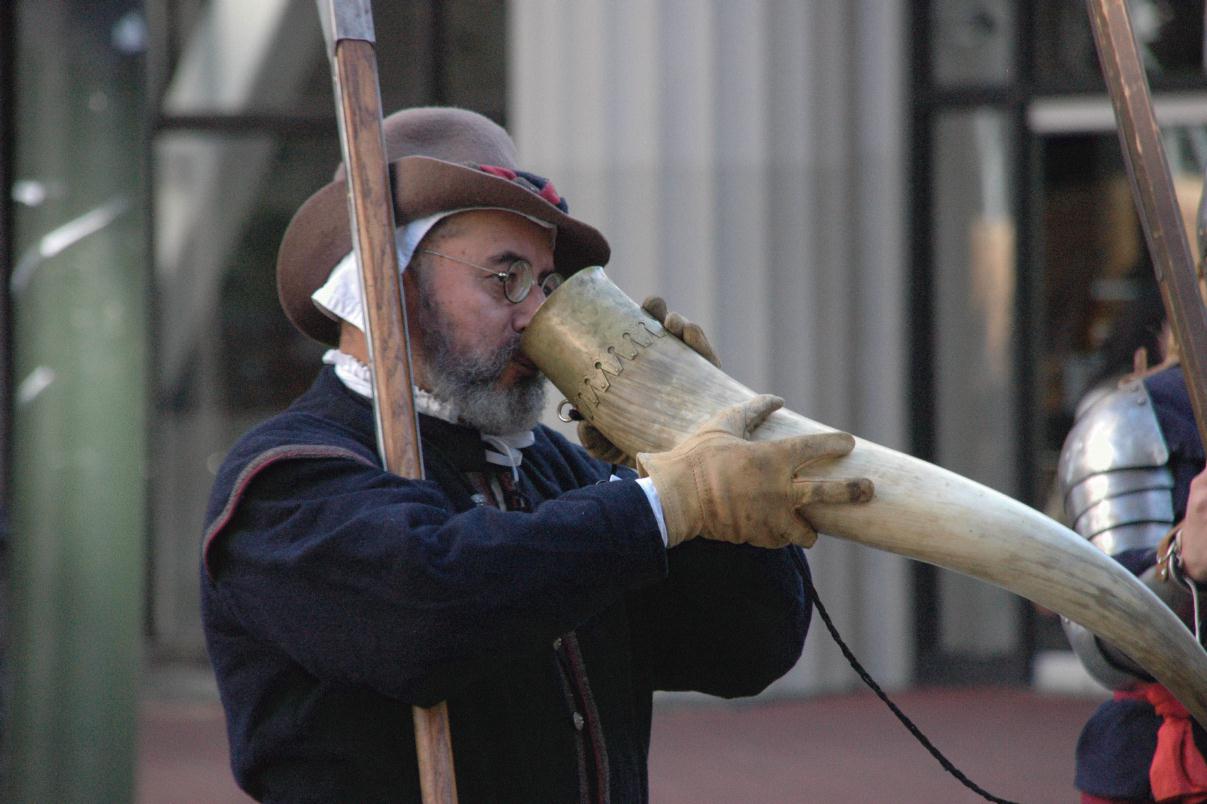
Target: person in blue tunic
545,594
1132,472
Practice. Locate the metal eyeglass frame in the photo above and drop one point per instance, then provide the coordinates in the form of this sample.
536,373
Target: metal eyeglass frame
519,271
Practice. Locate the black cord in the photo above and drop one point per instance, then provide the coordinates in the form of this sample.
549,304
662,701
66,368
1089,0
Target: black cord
867,679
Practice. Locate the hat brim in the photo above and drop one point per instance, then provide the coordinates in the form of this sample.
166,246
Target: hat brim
319,235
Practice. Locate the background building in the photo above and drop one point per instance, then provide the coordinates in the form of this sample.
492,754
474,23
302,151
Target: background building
909,219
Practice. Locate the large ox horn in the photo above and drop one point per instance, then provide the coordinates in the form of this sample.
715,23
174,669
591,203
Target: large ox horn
646,391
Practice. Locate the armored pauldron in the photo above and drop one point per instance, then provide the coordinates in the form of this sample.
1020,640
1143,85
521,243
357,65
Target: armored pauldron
1118,493
1114,473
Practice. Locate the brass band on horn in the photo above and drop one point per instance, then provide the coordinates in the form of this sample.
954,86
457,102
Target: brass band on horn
650,401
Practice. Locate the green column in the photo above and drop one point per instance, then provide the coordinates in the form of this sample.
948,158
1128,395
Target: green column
79,419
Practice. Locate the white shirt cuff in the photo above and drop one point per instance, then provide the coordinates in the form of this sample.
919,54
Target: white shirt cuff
651,494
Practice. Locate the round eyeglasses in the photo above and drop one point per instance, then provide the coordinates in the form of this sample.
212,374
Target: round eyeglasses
517,280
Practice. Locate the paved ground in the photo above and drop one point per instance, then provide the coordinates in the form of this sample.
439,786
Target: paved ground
1017,745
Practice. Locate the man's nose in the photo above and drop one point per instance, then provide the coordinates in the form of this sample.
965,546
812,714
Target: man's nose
526,309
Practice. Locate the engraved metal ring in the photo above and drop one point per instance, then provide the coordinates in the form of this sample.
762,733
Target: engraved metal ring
565,416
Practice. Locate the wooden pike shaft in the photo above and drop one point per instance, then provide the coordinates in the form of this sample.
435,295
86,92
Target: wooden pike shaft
1153,191
348,27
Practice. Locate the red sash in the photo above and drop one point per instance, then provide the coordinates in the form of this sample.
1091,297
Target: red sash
1178,772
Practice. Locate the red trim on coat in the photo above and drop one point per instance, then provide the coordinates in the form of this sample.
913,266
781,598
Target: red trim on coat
258,464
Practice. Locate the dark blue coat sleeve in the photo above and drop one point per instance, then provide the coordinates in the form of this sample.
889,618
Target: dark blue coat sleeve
362,577
728,620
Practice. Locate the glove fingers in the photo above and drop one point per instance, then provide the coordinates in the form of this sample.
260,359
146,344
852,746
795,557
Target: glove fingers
655,306
599,446
844,490
815,447
800,532
589,436
744,417
681,328
674,324
793,536
758,409
780,526
694,336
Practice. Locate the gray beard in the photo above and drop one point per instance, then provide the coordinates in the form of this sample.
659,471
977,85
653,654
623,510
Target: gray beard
470,382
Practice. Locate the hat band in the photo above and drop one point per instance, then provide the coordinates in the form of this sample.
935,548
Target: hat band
530,182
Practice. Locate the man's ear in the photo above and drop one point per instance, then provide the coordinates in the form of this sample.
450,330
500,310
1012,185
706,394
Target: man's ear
352,341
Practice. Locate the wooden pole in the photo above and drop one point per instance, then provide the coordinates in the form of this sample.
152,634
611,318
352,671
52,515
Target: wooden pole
348,28
1153,191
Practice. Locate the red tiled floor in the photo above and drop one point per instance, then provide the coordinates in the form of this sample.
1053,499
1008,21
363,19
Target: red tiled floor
849,748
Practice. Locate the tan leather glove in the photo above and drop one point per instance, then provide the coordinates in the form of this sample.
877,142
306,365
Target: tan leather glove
718,485
595,442
681,328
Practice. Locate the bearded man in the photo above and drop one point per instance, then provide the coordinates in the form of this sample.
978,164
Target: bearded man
543,593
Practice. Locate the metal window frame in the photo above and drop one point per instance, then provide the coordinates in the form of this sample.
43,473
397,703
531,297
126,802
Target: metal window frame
1037,106
8,44
928,102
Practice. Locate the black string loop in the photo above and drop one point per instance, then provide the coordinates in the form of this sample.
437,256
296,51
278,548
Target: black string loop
871,683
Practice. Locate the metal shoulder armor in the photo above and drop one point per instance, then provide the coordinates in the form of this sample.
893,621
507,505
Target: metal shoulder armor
1114,472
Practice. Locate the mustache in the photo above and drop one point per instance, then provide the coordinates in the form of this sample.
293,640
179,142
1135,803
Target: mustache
483,369
493,367
511,351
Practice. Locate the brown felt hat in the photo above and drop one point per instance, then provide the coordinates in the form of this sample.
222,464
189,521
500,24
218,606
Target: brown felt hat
441,159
